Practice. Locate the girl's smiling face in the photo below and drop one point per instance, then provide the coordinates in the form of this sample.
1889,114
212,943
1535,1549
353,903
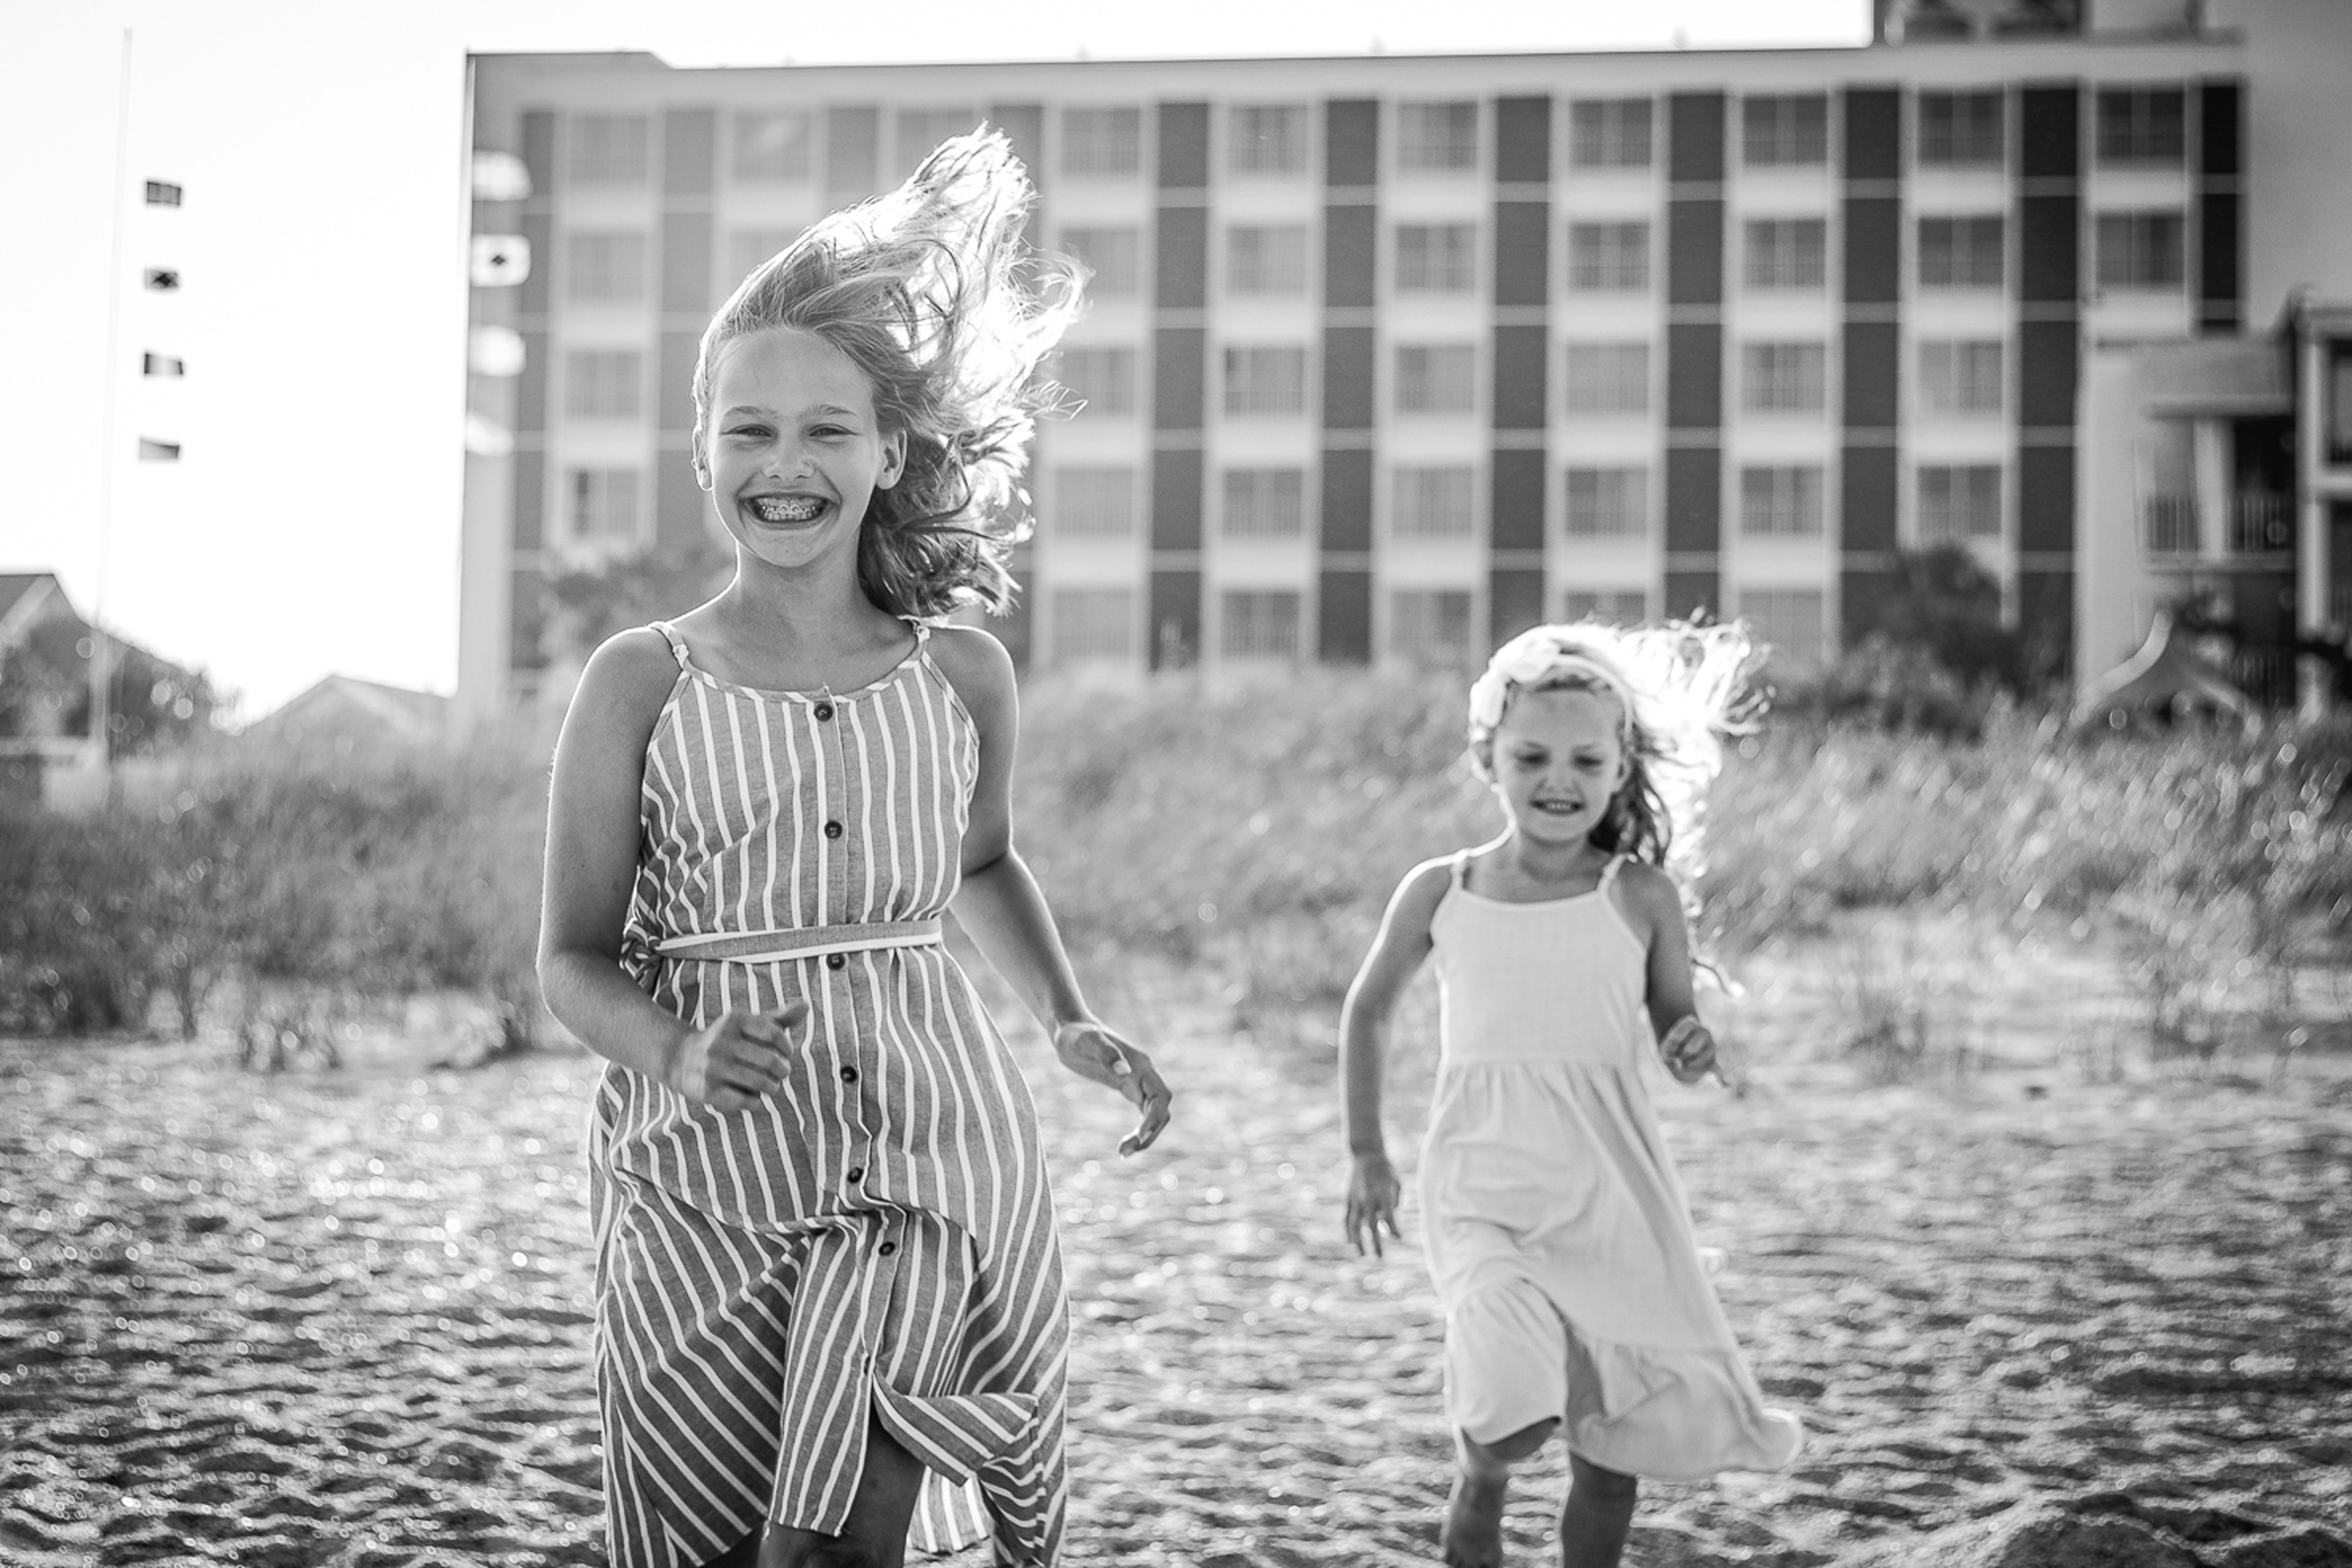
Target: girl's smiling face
793,452
1558,759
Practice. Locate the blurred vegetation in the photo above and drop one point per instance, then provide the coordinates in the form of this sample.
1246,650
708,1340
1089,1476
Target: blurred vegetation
1250,837
154,705
302,882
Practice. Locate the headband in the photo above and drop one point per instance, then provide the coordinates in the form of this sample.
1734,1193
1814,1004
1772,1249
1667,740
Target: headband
1531,662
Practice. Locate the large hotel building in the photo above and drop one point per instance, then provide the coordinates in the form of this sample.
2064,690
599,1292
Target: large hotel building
1390,356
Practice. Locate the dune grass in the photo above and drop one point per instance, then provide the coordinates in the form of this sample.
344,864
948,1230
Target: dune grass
1249,837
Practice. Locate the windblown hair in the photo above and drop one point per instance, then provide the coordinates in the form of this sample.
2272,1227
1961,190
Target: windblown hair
1679,690
930,291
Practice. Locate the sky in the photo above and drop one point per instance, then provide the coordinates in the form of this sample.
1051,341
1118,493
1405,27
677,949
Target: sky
310,526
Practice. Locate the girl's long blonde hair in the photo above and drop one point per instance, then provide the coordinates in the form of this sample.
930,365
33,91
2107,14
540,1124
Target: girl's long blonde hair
931,291
1680,689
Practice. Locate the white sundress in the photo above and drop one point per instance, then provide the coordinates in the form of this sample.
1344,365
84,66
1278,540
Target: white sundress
1556,1229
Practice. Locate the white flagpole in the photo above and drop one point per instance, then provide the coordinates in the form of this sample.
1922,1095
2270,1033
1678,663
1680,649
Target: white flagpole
101,676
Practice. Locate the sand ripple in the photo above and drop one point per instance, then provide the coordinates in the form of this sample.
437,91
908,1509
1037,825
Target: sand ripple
342,1320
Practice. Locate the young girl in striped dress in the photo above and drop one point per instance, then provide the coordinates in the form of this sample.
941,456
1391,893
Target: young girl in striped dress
1557,1234
830,1310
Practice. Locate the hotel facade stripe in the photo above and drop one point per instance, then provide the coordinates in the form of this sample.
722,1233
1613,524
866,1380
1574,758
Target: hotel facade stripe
2049,358
1872,156
1179,381
1349,379
1696,123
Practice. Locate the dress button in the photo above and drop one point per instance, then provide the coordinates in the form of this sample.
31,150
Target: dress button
824,711
832,830
835,961
887,1248
848,1075
857,1173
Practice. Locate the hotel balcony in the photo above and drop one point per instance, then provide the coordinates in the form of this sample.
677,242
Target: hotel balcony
2171,524
2260,522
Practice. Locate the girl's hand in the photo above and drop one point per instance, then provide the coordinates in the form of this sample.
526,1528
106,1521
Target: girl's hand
1688,1050
1091,1050
1373,1190
732,1064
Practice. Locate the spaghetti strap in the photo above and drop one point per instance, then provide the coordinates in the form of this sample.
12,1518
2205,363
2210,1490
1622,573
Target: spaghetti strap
677,644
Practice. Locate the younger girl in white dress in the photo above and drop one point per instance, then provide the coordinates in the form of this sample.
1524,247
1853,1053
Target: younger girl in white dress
1557,1233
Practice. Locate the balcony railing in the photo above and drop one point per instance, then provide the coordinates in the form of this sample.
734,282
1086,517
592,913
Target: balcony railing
2262,522
2172,524
2265,674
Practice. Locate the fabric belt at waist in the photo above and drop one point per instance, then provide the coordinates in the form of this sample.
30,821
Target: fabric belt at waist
804,941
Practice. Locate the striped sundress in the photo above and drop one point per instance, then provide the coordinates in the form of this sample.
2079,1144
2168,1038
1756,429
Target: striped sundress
878,1235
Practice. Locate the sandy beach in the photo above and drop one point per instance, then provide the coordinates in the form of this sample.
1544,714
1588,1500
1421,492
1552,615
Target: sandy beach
341,1319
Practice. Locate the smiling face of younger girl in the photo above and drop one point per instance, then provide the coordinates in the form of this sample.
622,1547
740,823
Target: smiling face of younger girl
793,451
1558,760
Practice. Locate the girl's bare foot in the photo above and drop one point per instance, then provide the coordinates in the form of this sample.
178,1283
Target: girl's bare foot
1473,1518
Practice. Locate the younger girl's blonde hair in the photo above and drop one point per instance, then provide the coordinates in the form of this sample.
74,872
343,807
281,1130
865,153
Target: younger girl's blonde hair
1679,690
930,291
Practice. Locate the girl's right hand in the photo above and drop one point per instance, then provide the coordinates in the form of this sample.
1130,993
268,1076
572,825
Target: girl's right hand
1373,1190
734,1062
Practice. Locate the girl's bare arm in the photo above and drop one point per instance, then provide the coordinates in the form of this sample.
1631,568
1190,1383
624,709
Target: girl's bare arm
1000,904
1656,907
1396,954
593,831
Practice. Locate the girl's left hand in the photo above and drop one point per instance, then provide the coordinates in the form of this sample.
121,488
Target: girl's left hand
1688,1050
1094,1051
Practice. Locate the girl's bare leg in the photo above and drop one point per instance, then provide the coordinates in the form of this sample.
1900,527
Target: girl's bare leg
1597,1516
879,1512
1473,1515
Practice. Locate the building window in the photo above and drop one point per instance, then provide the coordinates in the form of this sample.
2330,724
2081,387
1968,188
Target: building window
1094,624
1094,503
1113,256
1609,132
608,149
2141,251
1962,252
1436,257
1962,130
2143,125
602,384
1430,626
1784,253
1608,504
1258,623
1609,257
921,130
1960,503
1432,503
1783,378
1957,378
1436,138
1267,138
1608,378
1784,130
1617,606
1102,142
604,505
1265,381
163,193
1103,379
1781,502
747,248
605,268
1265,259
1264,503
770,145
1437,378
1790,622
